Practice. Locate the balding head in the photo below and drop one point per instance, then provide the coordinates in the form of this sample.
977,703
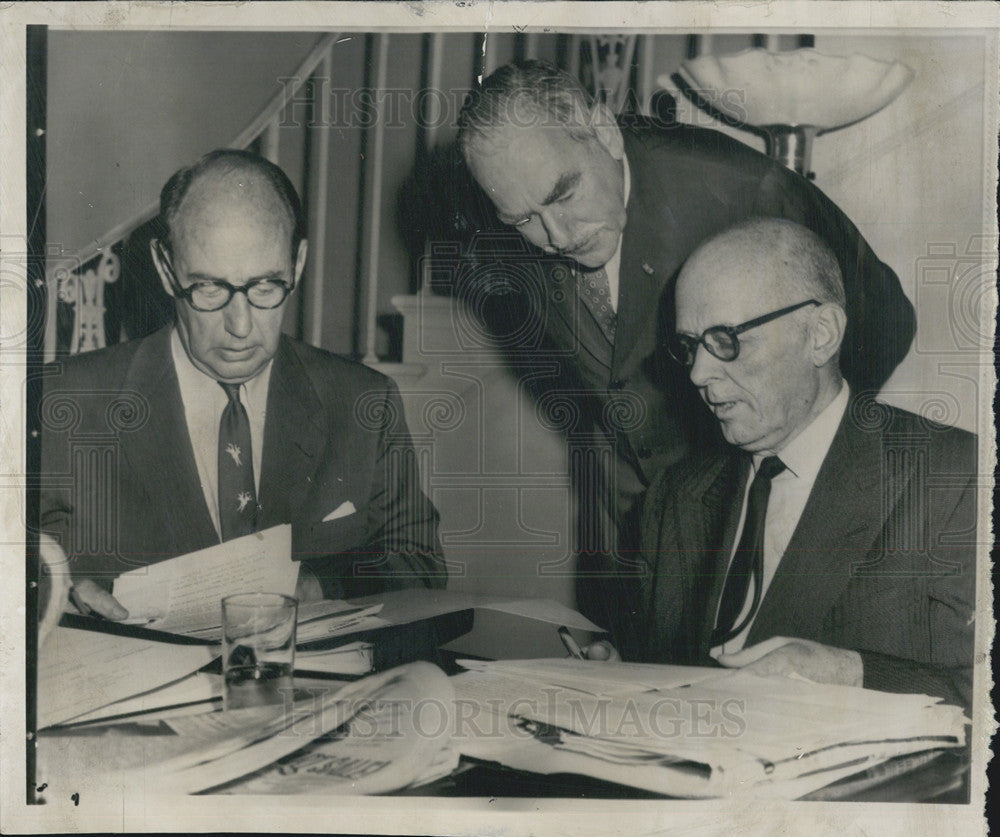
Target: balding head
785,371
797,261
225,179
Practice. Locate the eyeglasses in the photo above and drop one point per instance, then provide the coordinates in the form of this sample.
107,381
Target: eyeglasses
215,295
723,341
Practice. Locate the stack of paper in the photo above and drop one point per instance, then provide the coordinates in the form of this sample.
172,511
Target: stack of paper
80,670
332,618
691,732
370,736
353,658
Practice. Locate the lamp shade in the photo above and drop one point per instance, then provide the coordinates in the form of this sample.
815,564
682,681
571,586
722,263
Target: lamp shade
801,87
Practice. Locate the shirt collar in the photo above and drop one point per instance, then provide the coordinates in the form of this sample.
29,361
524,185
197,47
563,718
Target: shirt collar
253,393
804,455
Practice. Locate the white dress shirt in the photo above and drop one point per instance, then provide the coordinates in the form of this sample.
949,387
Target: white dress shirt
204,400
803,456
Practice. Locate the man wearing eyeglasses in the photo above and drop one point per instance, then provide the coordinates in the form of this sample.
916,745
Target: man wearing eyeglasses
835,537
223,426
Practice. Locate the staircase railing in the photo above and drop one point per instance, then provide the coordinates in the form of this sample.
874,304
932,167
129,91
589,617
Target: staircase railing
98,264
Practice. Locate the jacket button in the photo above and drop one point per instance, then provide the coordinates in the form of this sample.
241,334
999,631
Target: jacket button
618,383
644,452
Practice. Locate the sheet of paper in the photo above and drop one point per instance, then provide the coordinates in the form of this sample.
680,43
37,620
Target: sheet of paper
200,687
696,732
353,658
606,678
183,594
403,606
227,748
80,671
318,620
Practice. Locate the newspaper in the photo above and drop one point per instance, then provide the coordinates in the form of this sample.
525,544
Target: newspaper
366,737
697,734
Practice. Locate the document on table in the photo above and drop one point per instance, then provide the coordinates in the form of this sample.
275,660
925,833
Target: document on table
401,607
333,617
81,670
183,594
353,658
385,745
690,733
200,690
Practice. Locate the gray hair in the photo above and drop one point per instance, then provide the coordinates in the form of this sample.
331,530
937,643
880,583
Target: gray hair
811,264
525,90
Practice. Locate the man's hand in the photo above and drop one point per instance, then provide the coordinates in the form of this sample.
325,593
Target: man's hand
308,588
88,598
812,660
602,651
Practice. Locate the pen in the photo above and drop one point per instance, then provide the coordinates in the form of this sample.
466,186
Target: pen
570,643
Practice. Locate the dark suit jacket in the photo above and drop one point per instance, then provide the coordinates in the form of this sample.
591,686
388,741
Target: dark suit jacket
882,562
120,486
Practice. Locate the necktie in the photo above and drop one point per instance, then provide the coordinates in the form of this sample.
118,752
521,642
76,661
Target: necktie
595,291
748,560
237,495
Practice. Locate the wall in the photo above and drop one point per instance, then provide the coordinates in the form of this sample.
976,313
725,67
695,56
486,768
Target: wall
127,109
910,178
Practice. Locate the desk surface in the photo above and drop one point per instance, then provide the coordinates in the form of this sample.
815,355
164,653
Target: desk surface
64,756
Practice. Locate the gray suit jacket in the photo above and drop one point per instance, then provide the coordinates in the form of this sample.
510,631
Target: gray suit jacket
120,487
882,561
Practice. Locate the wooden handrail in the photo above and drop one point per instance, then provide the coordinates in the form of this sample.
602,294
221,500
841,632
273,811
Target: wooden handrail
273,107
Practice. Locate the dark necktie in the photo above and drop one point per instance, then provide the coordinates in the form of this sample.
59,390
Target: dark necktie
237,495
748,560
594,289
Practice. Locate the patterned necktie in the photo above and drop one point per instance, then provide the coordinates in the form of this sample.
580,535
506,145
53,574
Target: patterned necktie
595,291
237,495
748,560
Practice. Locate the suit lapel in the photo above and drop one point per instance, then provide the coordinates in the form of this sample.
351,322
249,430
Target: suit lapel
842,519
294,439
644,269
162,455
709,517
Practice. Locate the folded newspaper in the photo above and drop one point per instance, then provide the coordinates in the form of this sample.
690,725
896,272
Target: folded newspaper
384,733
689,732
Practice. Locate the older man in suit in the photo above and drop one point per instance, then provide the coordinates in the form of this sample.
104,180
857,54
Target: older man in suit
219,425
611,213
834,537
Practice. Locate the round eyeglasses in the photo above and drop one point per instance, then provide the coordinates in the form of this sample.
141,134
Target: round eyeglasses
214,295
722,341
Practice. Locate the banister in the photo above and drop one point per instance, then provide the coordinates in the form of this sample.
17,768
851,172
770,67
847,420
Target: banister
270,110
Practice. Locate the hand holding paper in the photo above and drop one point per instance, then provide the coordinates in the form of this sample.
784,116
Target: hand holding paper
812,660
88,598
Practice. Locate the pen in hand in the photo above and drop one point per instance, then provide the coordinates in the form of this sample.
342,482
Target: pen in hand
571,644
